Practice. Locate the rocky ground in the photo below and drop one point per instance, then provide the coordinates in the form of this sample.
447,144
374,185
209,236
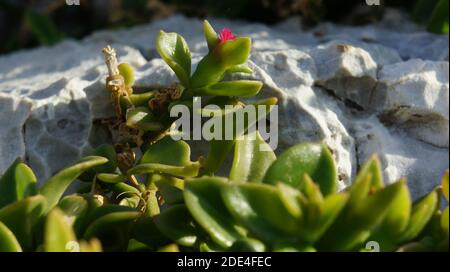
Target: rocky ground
381,88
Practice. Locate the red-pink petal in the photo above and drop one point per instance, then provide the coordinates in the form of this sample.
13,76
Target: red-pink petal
226,35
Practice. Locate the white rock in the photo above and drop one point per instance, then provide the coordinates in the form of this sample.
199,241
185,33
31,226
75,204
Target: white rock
401,156
64,86
415,95
14,112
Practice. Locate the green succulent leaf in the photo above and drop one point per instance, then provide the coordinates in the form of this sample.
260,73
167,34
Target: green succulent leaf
75,209
318,217
422,212
312,159
233,52
142,118
58,234
225,56
190,170
96,212
219,149
203,199
175,52
111,178
439,18
177,224
141,99
17,183
240,69
247,245
445,222
357,221
8,240
131,201
22,217
218,152
249,204
445,185
244,88
292,247
113,229
171,189
209,71
252,158
210,35
369,178
168,151
127,72
107,151
55,187
145,231
169,248
397,218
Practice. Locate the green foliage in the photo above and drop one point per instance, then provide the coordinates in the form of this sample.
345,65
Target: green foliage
165,201
433,13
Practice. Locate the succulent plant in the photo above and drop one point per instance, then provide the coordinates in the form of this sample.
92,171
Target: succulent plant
164,201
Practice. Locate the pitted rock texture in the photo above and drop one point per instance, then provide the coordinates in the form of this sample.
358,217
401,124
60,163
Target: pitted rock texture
360,90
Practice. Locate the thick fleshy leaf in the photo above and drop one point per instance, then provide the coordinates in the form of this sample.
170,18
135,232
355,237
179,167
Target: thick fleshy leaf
169,248
145,231
127,72
445,185
22,217
318,217
356,222
168,151
177,224
260,209
233,52
210,35
240,69
17,183
75,209
141,99
289,196
58,234
97,212
93,245
398,215
312,159
175,52
8,241
111,178
439,22
55,187
107,151
171,189
242,88
190,170
252,158
112,229
142,118
247,245
422,212
218,152
219,149
445,222
209,71
203,199
292,247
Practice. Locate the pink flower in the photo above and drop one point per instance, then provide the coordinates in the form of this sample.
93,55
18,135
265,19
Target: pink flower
226,35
